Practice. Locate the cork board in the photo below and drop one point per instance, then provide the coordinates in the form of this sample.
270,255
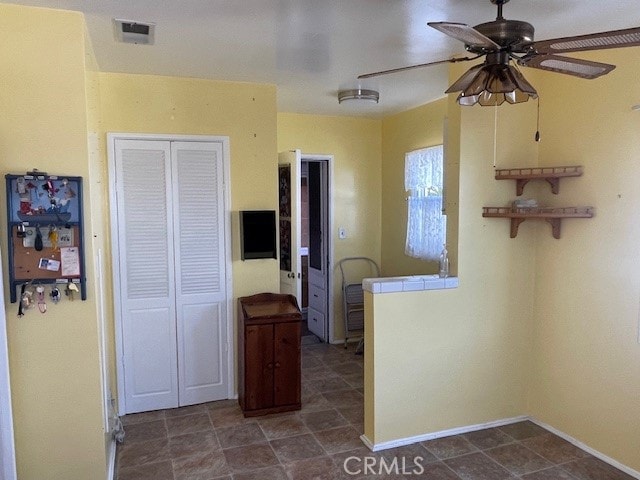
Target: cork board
28,262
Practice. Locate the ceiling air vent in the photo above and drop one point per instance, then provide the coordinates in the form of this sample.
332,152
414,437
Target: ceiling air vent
129,31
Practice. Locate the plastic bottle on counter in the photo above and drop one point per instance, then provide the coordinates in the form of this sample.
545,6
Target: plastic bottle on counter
443,271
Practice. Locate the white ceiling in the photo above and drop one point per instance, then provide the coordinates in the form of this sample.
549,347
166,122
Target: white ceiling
312,48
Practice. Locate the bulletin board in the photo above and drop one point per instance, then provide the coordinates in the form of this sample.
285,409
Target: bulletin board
45,230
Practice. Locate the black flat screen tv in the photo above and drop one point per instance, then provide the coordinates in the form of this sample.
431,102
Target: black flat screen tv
258,234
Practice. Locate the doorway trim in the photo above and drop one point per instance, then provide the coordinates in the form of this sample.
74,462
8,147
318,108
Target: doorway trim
306,157
229,345
7,442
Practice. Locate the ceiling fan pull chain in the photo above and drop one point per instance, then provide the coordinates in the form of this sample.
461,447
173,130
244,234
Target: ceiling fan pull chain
537,135
495,134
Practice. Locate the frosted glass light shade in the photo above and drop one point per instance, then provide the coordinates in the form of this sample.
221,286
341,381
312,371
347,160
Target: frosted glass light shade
492,84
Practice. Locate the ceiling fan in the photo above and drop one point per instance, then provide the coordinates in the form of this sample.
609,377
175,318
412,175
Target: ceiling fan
504,41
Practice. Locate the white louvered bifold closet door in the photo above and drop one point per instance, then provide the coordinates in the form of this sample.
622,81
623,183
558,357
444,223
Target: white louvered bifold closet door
147,291
171,239
200,271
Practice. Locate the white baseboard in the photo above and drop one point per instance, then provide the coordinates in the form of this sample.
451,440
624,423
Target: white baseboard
588,449
111,461
368,443
401,442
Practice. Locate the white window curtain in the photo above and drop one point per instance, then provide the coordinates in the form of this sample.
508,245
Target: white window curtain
426,224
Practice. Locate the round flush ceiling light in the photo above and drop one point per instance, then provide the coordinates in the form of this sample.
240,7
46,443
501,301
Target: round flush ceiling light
358,94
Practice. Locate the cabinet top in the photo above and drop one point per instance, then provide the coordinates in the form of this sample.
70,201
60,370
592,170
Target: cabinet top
269,305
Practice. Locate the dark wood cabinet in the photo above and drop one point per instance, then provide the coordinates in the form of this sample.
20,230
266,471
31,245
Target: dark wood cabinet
268,354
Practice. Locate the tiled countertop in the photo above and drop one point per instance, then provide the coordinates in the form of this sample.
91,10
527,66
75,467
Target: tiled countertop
413,283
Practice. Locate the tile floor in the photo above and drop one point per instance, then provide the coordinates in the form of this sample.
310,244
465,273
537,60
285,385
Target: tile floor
321,441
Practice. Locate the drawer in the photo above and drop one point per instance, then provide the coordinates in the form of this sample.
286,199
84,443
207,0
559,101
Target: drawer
317,299
315,322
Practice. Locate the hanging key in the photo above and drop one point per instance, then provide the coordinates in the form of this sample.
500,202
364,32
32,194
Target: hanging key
42,304
55,295
71,287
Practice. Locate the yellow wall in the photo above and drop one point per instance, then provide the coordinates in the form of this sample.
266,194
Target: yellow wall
355,144
587,351
417,128
466,350
101,241
54,358
54,99
244,112
538,326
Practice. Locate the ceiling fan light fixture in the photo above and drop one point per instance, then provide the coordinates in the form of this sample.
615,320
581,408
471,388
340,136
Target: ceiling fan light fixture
503,41
492,84
358,94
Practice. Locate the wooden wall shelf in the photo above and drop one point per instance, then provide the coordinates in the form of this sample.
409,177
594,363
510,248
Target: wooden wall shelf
552,175
553,216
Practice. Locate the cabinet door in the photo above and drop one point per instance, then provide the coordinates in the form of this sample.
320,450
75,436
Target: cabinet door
315,321
286,374
259,366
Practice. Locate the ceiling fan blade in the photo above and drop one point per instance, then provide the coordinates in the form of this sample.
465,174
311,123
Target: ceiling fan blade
466,34
629,37
411,67
570,66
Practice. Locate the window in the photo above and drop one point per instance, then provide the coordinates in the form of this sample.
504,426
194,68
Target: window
426,224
